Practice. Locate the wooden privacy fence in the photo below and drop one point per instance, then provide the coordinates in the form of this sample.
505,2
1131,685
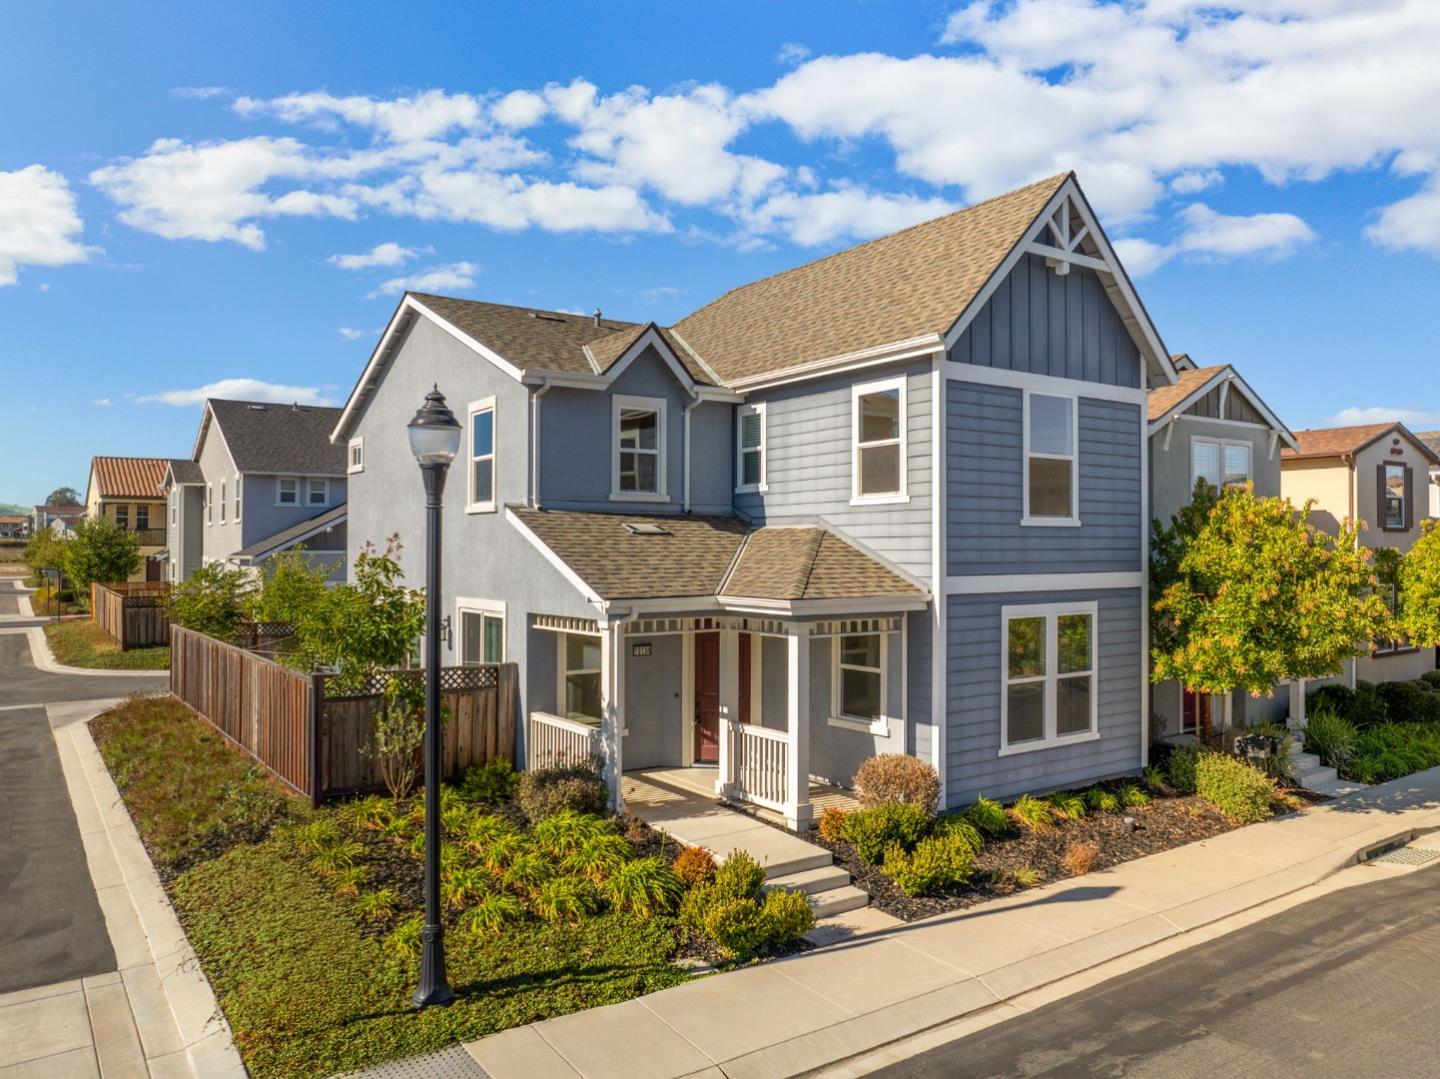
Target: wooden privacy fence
135,613
315,743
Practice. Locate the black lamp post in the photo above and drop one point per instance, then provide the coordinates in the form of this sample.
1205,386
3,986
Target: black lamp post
434,439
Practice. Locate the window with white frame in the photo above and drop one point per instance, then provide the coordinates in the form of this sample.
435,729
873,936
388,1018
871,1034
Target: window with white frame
174,505
638,462
878,450
356,462
482,456
1048,693
288,493
1051,477
482,633
209,503
317,492
750,448
859,690
222,502
1220,464
237,497
579,665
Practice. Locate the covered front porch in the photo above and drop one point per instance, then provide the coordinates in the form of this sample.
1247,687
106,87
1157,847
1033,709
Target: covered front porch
773,712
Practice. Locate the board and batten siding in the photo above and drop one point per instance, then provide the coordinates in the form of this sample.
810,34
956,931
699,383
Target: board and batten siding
974,684
984,477
808,474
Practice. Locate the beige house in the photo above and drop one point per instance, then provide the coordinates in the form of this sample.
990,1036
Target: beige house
1378,475
127,490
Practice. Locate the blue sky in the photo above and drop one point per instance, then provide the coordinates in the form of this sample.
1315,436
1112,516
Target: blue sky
180,183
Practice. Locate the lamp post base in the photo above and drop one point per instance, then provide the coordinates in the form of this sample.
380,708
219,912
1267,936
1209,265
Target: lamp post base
434,988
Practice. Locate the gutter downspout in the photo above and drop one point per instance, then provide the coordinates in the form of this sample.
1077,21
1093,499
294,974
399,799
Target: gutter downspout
535,395
695,400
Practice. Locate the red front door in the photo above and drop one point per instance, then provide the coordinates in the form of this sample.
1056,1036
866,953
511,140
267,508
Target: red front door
707,698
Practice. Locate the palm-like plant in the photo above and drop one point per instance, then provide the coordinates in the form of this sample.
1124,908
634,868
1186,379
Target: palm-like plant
528,871
331,860
349,880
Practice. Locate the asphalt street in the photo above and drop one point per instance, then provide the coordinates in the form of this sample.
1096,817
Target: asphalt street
22,683
1346,985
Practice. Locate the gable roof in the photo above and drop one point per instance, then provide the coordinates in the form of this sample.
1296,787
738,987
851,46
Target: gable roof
296,533
805,562
283,439
1341,441
127,477
1192,379
1431,440
183,471
1194,383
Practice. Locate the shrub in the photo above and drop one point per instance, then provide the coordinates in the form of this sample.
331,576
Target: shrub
546,791
372,813
331,860
644,886
490,783
482,832
873,830
492,913
726,909
1102,800
1132,797
785,917
1431,679
961,826
1067,805
1363,706
695,865
348,881
734,925
504,850
832,824
1233,787
1331,738
739,875
463,885
898,777
566,832
528,872
213,600
989,816
1392,750
600,857
1180,768
563,899
1409,702
1081,857
1026,876
1031,813
1370,708
318,835
937,862
378,905
1154,777
405,940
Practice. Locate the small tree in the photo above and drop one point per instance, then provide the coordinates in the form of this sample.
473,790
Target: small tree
213,600
63,496
290,586
1419,584
45,551
1247,592
100,551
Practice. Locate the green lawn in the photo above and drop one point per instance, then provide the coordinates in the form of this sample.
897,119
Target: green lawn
85,644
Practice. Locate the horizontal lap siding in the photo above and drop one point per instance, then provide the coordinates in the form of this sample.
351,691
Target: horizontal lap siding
973,700
985,463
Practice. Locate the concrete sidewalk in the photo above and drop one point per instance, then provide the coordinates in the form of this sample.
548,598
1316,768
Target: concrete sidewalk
797,1014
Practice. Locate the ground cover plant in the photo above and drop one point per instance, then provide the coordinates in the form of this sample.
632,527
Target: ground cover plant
1374,733
85,644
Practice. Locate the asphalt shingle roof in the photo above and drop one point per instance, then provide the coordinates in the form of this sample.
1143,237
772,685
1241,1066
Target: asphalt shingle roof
526,336
286,536
1163,399
186,471
1333,441
128,477
293,439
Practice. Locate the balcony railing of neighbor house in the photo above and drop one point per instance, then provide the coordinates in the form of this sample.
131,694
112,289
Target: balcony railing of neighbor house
554,738
135,613
758,763
149,537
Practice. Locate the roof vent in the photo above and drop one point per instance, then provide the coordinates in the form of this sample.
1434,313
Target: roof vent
543,317
644,528
597,316
257,408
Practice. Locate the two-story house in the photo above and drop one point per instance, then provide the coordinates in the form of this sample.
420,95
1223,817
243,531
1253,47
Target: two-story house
58,519
14,526
1211,426
263,478
127,490
894,500
1376,474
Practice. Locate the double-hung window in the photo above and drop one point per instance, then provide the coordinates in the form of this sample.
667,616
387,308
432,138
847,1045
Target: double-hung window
1220,464
356,461
859,690
237,497
122,516
222,502
174,505
750,448
637,469
481,498
1390,593
579,689
288,493
482,632
1048,691
210,503
877,423
142,518
1051,478
1394,497
317,492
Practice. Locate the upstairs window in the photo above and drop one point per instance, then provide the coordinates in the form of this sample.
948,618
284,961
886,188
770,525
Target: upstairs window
237,498
1051,463
1048,692
357,456
122,516
142,518
878,452
222,502
210,502
289,492
750,448
1220,464
318,492
174,505
482,456
1393,497
638,465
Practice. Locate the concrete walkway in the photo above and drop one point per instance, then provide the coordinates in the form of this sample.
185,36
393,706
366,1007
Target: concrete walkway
801,1013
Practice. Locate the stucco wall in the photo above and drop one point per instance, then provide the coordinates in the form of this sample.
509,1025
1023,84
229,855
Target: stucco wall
1392,449
1172,471
1327,481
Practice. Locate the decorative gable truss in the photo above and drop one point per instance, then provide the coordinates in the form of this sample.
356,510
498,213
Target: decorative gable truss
1232,399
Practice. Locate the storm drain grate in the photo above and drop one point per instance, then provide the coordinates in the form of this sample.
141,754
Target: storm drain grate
452,1063
1407,856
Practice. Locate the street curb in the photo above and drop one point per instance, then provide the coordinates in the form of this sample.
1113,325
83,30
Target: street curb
45,660
208,1048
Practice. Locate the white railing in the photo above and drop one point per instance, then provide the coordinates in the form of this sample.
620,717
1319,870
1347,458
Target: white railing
554,738
758,764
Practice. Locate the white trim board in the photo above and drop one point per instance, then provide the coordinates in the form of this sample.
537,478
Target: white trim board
1228,376
1024,380
992,584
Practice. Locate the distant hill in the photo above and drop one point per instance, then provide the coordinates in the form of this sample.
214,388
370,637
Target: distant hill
11,507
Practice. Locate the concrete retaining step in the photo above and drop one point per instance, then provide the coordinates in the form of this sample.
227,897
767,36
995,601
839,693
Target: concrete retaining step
810,881
834,901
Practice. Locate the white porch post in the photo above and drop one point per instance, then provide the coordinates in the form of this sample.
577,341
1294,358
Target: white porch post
1297,704
797,702
612,710
729,707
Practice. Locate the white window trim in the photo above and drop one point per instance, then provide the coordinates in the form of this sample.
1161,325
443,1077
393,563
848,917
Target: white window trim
857,391
209,504
237,495
485,404
1221,444
654,404
350,466
880,726
561,671
1073,521
222,502
280,483
1051,612
494,608
174,505
757,409
311,480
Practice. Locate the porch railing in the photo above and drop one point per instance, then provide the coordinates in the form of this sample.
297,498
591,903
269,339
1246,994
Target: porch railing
554,738
759,760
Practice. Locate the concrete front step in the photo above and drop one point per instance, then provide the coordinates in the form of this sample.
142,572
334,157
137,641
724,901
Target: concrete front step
810,881
835,901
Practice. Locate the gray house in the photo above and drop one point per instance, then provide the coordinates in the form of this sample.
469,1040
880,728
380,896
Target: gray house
1212,426
263,478
893,500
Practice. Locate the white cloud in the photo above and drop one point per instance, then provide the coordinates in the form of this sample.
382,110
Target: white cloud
1211,233
200,93
102,402
1141,257
429,115
39,225
458,275
386,254
242,389
1412,223
849,213
519,109
792,53
1197,180
1415,419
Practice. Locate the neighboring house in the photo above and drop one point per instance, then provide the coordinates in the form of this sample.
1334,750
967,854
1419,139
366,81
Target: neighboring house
1432,495
127,490
894,500
263,478
1378,475
59,519
14,526
1212,426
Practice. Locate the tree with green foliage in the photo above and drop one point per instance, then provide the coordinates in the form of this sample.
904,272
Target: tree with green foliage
290,586
63,496
1419,587
45,551
1246,592
100,550
213,600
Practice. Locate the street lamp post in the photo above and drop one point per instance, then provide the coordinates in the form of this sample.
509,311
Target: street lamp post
434,439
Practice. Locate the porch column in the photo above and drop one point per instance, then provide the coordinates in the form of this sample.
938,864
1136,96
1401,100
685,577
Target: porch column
612,708
1297,704
729,706
797,704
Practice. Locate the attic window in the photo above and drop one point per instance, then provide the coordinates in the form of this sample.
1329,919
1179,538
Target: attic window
646,529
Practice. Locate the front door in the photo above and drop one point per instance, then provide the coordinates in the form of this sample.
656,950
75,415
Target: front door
707,698
152,569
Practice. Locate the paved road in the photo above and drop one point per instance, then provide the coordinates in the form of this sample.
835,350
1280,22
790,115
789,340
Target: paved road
21,683
1346,985
9,602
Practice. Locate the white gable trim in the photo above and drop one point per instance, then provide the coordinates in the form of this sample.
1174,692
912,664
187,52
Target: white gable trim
650,337
207,421
1229,377
1103,260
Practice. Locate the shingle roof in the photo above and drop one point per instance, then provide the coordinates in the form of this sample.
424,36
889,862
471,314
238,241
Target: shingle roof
128,477
526,336
1163,399
607,350
898,287
1333,441
288,537
698,556
186,471
1430,438
293,439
